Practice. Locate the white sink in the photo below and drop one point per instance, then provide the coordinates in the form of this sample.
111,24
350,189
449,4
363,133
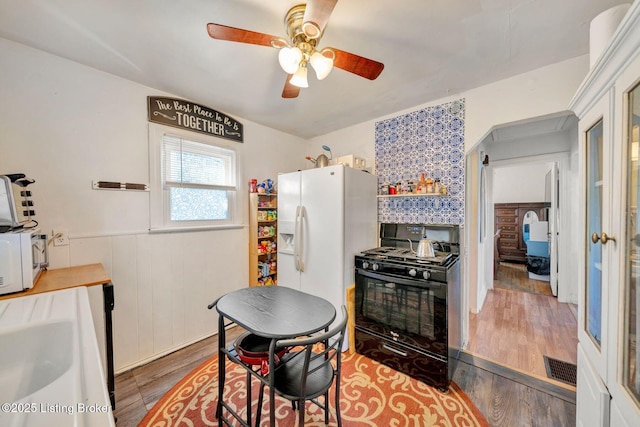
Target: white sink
50,367
34,357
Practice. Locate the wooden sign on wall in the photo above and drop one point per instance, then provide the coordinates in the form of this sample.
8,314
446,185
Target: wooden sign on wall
187,115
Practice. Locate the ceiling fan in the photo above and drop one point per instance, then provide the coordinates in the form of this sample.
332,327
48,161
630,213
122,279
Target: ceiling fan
305,24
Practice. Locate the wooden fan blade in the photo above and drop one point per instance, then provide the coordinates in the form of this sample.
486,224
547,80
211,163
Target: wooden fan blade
367,68
317,12
290,91
223,32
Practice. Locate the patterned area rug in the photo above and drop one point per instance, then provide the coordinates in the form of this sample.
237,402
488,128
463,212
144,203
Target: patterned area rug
371,395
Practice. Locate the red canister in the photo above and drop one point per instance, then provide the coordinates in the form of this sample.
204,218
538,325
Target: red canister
253,185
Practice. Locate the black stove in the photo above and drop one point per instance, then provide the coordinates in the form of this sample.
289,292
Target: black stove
397,258
408,256
397,263
407,307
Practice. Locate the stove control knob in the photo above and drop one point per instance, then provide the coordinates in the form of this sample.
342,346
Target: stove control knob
413,272
375,267
365,264
426,274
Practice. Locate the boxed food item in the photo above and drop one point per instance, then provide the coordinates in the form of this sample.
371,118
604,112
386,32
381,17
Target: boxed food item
352,161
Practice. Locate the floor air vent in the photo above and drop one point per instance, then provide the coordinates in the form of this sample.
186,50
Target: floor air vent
560,371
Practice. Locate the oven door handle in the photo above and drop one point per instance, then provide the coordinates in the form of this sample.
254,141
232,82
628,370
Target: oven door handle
396,280
395,350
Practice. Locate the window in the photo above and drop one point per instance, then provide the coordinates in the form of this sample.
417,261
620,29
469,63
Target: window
194,180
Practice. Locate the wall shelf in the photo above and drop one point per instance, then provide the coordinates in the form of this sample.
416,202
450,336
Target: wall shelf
390,196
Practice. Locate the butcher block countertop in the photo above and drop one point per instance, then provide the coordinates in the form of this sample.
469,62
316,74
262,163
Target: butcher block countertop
64,278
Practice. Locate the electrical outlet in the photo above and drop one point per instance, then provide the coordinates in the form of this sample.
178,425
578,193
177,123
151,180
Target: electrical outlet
60,237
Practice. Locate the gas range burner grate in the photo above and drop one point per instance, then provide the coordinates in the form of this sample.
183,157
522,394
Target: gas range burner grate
405,254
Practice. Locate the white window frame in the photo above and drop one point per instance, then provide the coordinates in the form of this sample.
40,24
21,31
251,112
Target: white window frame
159,206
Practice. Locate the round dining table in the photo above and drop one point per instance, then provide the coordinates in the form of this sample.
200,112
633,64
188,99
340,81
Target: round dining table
273,312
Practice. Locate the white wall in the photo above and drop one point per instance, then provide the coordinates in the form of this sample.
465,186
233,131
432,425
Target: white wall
520,184
536,93
65,125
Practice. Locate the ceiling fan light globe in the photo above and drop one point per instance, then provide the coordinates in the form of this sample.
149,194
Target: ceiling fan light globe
289,59
321,65
299,78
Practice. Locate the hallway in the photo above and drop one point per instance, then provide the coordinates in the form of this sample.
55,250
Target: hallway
517,328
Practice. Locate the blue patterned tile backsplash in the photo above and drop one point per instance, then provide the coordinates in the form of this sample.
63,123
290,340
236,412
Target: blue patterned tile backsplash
429,141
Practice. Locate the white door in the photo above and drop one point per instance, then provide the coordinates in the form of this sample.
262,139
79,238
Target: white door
552,183
595,139
624,361
608,390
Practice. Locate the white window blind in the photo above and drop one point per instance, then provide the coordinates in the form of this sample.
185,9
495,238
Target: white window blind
199,179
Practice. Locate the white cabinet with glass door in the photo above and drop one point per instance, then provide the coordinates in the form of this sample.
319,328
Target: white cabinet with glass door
608,106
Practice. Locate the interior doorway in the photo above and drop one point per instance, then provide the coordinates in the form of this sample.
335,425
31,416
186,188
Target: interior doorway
516,319
525,205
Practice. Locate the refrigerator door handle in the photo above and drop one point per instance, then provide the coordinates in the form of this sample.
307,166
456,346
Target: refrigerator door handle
303,216
296,238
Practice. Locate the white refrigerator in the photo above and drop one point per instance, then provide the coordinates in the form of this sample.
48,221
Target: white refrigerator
325,217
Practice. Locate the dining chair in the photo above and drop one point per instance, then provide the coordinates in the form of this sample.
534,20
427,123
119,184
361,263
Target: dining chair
312,366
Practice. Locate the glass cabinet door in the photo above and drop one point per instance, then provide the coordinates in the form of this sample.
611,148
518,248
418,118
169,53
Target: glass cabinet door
597,265
593,294
631,345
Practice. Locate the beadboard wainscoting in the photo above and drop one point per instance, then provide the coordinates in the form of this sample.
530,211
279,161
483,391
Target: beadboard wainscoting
429,141
163,284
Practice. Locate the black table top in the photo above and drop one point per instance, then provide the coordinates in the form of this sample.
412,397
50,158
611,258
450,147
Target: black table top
276,311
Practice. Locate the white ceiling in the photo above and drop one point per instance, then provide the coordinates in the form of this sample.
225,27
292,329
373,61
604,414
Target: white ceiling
530,128
430,48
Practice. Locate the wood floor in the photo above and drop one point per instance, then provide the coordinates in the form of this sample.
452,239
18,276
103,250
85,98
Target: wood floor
504,399
514,276
139,389
518,328
509,399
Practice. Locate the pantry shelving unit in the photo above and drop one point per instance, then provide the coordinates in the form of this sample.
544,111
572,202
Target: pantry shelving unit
263,223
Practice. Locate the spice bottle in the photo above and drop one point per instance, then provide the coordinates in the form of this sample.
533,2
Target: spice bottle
429,186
